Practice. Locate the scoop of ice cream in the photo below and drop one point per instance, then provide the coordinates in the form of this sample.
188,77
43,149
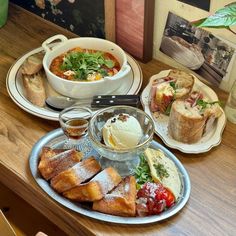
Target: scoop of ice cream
122,131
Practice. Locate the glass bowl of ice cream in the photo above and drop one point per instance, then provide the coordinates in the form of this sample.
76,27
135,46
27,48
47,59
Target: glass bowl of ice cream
120,134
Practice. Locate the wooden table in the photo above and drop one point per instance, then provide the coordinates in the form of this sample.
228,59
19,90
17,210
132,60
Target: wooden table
211,209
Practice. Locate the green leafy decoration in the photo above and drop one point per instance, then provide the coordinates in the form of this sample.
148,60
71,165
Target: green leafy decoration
223,18
85,63
142,172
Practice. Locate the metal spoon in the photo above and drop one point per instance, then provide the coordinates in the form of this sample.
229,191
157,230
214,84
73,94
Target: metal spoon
59,103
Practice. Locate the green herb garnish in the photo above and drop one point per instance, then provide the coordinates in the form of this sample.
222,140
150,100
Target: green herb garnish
172,84
85,63
161,171
168,109
203,104
142,172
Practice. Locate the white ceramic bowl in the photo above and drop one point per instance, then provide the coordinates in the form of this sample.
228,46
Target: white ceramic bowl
80,89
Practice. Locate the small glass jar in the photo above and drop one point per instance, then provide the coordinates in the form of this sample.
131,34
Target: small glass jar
230,107
74,122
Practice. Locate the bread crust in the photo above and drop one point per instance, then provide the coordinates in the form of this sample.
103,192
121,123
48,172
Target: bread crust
184,128
35,89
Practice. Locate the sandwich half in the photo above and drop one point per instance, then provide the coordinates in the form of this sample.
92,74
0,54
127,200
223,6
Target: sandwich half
191,118
177,84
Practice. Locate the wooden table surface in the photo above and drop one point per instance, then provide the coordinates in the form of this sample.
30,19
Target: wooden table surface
211,209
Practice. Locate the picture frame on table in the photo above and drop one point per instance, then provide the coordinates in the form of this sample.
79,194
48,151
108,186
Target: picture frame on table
198,50
134,27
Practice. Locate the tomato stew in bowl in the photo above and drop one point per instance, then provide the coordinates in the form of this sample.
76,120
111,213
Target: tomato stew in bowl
80,64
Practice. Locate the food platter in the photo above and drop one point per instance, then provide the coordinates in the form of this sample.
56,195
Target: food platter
56,139
16,91
208,141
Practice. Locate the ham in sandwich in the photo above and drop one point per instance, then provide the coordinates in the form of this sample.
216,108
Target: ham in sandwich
177,84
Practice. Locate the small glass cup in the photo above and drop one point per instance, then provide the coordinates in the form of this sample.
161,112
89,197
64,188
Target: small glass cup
230,107
74,122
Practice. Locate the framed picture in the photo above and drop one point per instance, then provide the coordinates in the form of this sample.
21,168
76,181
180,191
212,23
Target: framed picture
134,27
95,18
203,4
197,49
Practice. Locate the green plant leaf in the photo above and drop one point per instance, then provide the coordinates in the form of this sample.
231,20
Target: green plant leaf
222,18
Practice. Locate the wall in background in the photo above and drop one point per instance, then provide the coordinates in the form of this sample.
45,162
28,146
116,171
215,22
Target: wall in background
190,13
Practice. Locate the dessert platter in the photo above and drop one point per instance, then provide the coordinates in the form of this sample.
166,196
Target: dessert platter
16,89
178,127
55,140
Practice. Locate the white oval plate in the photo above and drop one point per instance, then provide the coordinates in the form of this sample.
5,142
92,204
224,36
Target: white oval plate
56,139
16,91
208,141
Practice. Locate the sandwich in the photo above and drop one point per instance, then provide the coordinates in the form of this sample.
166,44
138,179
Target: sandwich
177,84
193,117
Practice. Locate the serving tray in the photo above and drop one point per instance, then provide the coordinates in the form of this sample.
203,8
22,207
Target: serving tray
56,139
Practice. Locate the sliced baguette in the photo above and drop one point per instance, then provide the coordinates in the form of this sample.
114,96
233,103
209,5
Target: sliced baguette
33,64
35,90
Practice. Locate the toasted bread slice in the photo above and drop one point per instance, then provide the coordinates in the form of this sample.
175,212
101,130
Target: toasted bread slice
120,201
51,165
75,175
96,188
